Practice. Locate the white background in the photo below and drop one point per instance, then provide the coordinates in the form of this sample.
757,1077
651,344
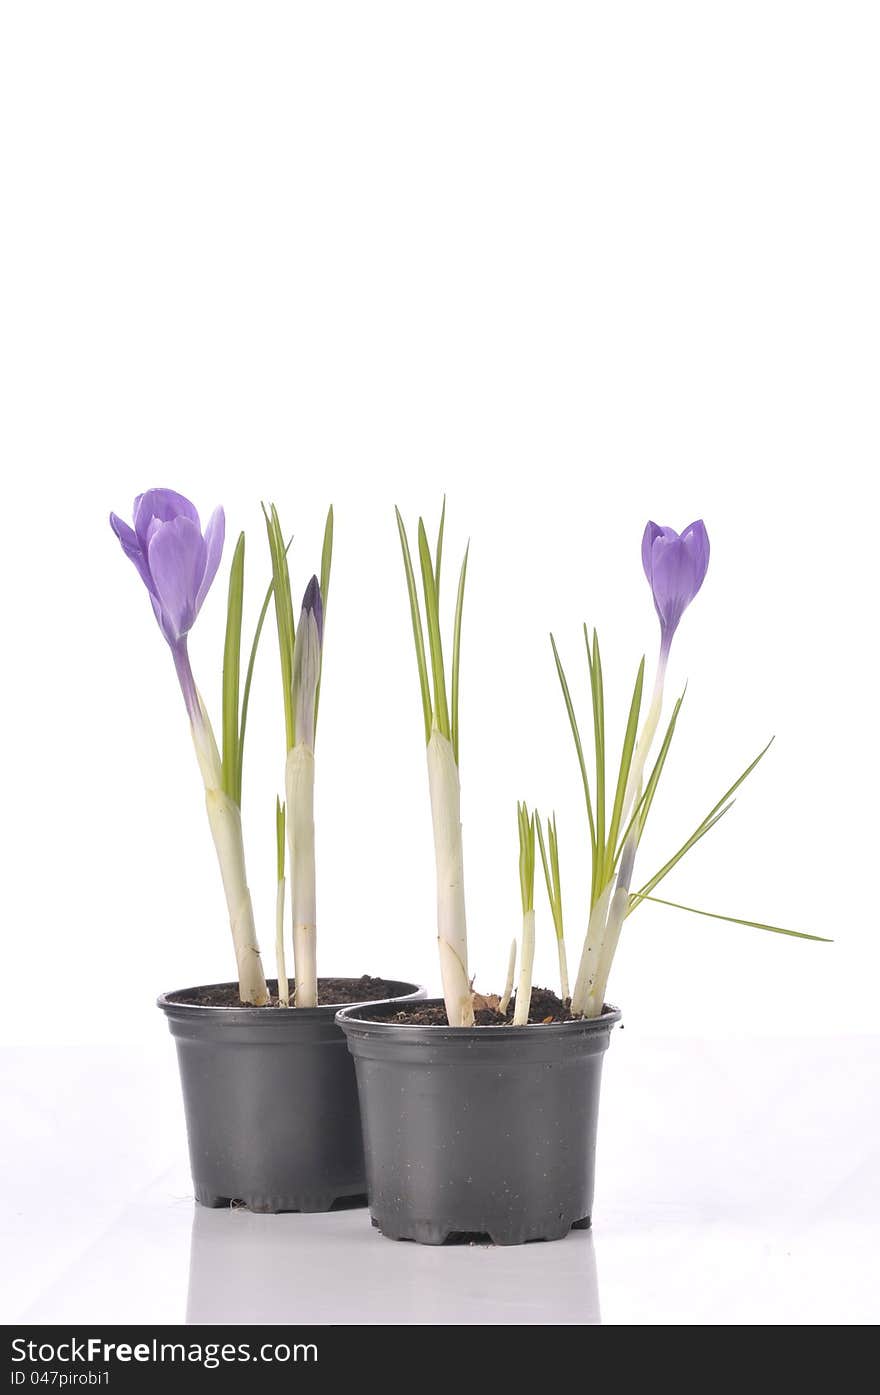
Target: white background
574,265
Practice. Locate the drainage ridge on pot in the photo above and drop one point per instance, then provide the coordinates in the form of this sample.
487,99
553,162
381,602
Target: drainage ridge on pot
478,1131
270,1101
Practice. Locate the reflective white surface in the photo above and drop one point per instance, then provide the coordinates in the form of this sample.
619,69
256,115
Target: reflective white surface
739,1182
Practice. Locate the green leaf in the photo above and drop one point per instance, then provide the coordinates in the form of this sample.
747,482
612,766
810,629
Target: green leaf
569,707
280,821
639,815
702,828
456,651
597,693
736,920
246,697
326,560
418,635
438,555
626,755
232,674
283,616
326,563
554,861
551,871
639,896
526,856
432,616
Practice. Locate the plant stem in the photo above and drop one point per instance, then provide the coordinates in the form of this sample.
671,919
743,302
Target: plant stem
526,962
563,968
300,790
508,982
588,966
224,817
445,792
590,989
283,988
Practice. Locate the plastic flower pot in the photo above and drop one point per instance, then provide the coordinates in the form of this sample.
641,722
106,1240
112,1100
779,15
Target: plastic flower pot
270,1102
476,1131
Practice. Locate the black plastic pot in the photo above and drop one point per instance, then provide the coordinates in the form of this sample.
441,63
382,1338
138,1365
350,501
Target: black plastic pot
271,1104
478,1130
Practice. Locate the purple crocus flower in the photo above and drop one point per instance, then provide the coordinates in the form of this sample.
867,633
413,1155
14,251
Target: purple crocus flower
313,602
177,564
675,565
307,662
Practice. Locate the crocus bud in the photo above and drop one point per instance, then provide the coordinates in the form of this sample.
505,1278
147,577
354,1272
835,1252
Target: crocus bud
307,662
176,563
675,565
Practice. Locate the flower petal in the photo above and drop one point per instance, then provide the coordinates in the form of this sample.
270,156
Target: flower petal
696,540
215,534
673,581
652,531
164,505
313,601
176,557
132,549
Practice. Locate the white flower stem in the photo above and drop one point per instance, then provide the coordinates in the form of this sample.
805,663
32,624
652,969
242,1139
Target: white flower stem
588,967
610,910
645,739
563,968
445,791
300,790
526,962
616,913
224,817
283,988
508,982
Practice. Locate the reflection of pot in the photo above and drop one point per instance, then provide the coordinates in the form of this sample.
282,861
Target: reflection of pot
271,1104
478,1131
335,1269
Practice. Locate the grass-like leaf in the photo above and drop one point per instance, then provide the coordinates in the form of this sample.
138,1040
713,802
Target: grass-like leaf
575,731
326,559
438,555
435,644
597,695
626,755
418,635
280,845
639,815
715,813
456,649
249,676
737,920
232,674
283,615
326,563
551,870
700,832
526,824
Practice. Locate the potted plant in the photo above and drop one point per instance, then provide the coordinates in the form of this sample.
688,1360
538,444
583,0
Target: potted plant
268,1086
479,1112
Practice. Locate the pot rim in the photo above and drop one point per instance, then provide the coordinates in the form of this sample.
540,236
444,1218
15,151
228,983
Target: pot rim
240,1012
348,1020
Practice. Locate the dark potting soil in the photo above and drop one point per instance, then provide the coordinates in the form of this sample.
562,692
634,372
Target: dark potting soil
544,1008
332,992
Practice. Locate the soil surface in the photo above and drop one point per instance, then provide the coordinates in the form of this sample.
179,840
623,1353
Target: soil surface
544,1008
332,992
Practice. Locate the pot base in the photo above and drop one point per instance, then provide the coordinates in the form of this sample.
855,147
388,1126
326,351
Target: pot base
306,1202
434,1233
270,1101
478,1133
